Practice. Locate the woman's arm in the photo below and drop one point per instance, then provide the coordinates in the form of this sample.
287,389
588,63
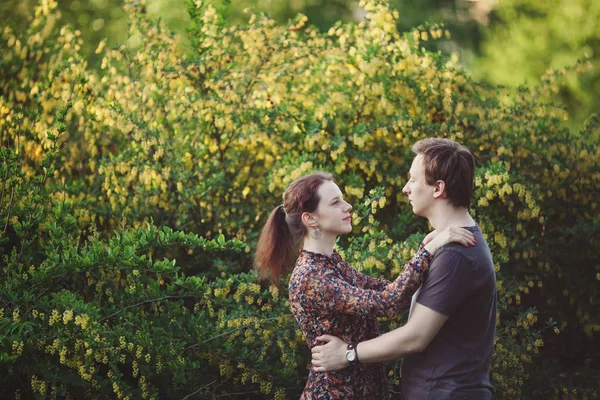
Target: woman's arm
432,242
328,292
360,279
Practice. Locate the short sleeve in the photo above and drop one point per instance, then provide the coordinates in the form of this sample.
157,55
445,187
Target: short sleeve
448,282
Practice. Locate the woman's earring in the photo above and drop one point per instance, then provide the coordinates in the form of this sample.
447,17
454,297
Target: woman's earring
316,234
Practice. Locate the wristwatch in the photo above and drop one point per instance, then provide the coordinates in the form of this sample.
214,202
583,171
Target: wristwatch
351,354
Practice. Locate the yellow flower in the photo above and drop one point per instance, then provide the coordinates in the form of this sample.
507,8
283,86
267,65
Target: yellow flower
54,317
100,47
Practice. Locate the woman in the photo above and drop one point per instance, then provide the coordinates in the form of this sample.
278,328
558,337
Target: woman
326,294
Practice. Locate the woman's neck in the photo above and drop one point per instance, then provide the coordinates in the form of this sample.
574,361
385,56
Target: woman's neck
324,245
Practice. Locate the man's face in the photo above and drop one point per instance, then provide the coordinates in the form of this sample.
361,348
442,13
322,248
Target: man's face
420,193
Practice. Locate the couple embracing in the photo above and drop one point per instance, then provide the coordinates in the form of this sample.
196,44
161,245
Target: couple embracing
449,284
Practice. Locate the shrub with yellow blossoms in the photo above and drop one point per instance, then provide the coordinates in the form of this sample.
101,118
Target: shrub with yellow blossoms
119,187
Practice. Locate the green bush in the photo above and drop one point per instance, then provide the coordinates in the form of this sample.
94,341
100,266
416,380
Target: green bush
118,190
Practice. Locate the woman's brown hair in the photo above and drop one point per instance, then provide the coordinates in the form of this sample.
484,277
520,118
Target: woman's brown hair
278,242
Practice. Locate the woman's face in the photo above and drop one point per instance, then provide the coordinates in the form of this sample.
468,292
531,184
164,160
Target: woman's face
333,213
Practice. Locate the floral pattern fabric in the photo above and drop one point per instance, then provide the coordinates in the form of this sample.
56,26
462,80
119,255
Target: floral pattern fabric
327,296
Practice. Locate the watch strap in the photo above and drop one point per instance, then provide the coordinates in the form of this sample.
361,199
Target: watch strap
352,346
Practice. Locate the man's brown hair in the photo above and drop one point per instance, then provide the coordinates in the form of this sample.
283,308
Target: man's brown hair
448,161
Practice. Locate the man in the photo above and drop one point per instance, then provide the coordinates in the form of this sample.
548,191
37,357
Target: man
448,341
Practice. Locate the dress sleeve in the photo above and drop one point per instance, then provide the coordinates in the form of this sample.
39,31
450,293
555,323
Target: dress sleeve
364,281
327,293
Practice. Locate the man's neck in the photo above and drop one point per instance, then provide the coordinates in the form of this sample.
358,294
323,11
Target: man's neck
446,215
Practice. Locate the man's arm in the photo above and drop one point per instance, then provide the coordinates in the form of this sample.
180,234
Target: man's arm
414,337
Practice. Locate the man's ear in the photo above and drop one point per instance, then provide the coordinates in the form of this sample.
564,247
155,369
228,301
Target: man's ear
439,192
310,220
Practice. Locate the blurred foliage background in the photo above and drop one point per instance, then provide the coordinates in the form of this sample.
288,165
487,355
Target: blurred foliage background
503,42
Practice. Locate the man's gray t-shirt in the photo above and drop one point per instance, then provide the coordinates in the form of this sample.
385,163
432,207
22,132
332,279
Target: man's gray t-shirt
462,285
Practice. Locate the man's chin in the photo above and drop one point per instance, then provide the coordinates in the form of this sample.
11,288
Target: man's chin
416,211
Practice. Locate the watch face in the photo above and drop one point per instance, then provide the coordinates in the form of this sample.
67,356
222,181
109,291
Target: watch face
350,355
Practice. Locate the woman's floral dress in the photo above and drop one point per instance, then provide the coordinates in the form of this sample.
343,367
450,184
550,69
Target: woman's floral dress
327,296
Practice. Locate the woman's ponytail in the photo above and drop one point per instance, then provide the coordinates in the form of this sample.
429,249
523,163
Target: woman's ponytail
276,246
